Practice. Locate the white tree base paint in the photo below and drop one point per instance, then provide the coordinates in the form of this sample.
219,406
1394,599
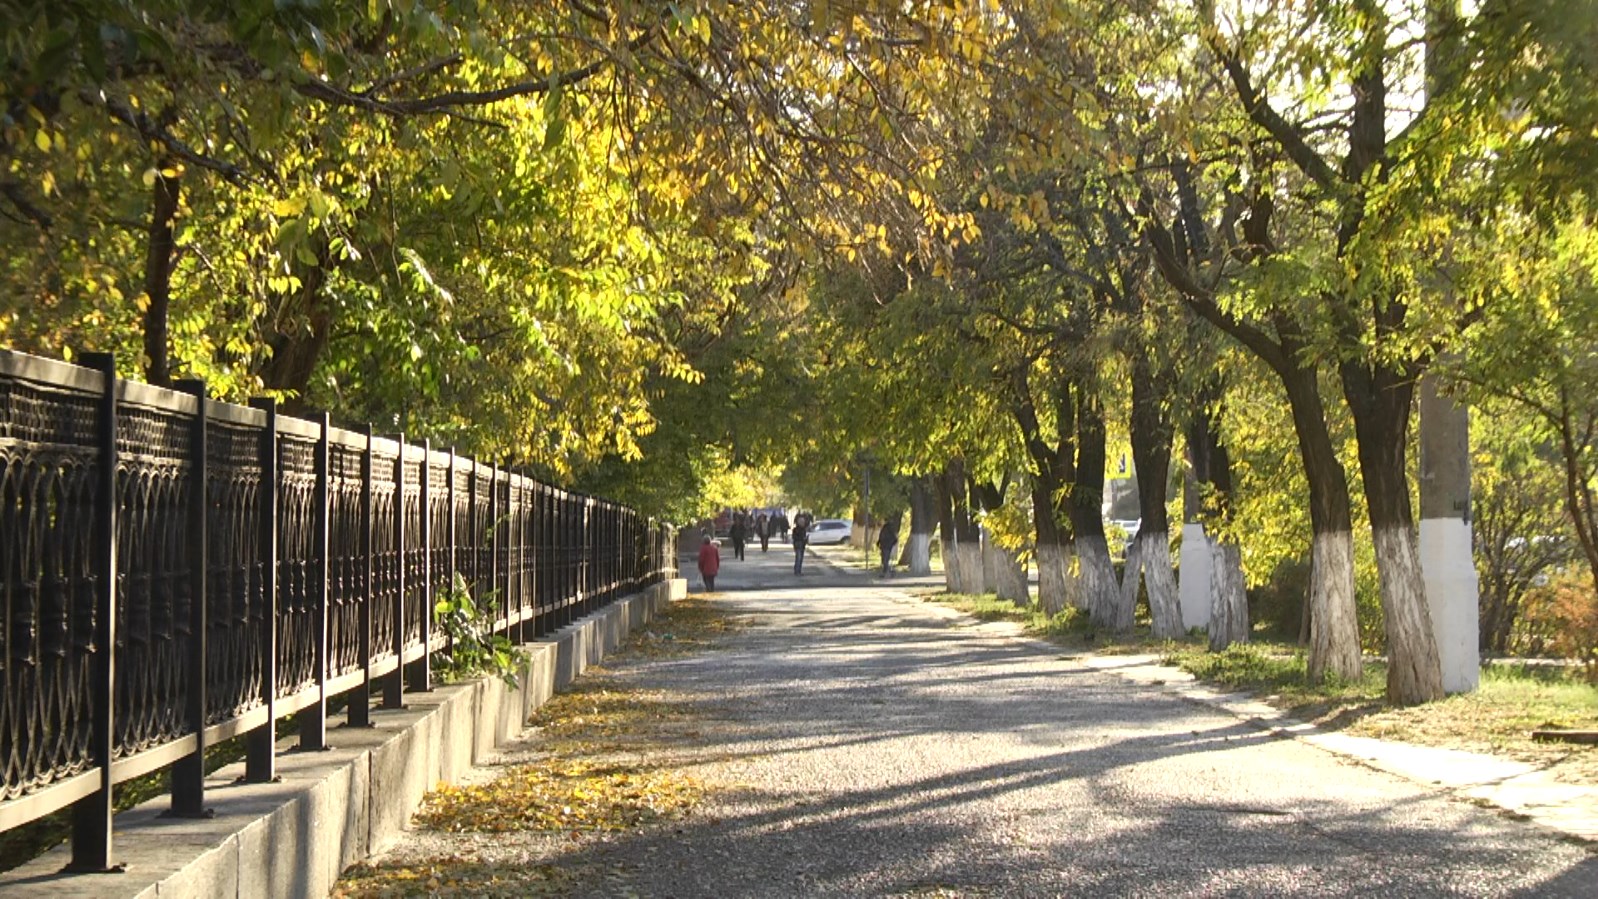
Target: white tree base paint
971,580
1099,591
1451,595
1228,601
1159,578
1052,574
1194,590
1334,628
920,553
951,568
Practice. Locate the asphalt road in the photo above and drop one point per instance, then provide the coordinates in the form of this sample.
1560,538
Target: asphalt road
866,744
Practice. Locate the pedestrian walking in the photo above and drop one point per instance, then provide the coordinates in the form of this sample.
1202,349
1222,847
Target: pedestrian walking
709,562
801,536
887,539
763,530
739,534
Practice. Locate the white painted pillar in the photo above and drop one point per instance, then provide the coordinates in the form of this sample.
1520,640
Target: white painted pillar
1194,590
1451,597
1445,541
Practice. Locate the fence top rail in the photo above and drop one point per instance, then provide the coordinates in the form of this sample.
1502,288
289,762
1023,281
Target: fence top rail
227,413
298,427
66,375
344,437
161,399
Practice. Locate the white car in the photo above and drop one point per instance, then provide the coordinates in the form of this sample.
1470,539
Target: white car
830,530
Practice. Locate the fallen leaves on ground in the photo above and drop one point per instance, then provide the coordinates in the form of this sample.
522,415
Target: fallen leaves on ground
562,795
453,877
592,777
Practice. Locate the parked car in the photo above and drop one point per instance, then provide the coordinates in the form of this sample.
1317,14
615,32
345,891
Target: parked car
830,530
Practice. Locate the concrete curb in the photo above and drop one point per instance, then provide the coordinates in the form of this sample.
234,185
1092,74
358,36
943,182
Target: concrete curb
332,809
1520,789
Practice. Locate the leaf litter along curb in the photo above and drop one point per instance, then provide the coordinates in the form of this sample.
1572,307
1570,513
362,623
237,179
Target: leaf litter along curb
591,777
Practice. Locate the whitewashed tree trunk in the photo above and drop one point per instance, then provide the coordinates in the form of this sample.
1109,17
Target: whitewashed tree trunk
1125,611
1052,575
1229,616
951,567
1100,591
970,555
1165,607
990,562
920,554
1007,579
1333,612
1413,667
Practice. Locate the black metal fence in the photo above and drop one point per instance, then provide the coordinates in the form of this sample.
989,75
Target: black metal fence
177,571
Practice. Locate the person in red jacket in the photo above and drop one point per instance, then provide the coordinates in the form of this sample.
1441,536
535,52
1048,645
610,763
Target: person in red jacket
709,562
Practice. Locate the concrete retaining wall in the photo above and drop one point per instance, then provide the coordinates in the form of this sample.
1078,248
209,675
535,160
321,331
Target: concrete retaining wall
332,809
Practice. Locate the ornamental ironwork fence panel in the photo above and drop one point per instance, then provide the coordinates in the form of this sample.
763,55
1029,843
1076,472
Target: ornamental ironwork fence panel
176,571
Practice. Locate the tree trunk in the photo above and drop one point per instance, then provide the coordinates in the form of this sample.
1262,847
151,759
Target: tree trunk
1380,400
160,258
951,560
298,345
1333,620
1227,619
1125,615
917,557
1152,436
1052,471
1229,616
967,533
1098,586
1002,571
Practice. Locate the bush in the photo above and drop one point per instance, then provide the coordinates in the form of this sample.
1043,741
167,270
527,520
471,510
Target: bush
1561,619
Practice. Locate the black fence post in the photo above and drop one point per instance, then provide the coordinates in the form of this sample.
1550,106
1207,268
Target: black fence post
422,674
495,595
454,532
91,815
313,718
360,704
188,773
260,761
535,534
394,683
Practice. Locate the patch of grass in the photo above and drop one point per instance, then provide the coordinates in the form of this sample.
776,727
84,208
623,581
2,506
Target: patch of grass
1497,718
1278,671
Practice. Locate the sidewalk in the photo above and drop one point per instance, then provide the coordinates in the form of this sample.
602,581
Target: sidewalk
1515,787
856,741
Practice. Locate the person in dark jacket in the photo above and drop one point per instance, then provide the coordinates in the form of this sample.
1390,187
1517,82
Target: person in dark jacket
801,536
739,534
763,531
887,539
